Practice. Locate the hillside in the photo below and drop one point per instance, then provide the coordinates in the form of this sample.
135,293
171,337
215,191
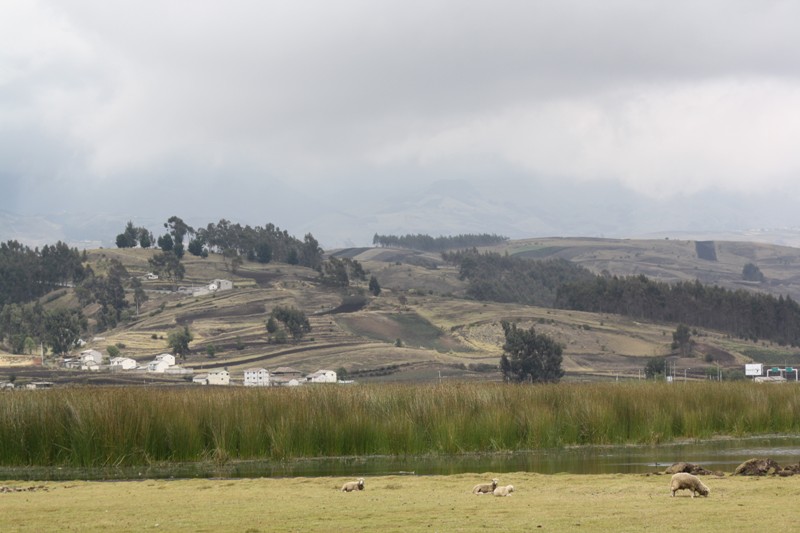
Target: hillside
710,262
441,334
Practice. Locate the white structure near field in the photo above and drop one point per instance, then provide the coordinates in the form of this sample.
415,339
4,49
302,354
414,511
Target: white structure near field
123,363
216,285
256,377
87,360
215,377
161,363
91,356
220,285
322,376
286,376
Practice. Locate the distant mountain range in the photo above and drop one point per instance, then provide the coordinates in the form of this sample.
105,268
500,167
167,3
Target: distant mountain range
451,207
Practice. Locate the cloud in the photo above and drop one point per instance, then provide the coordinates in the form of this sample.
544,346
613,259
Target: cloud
659,140
662,99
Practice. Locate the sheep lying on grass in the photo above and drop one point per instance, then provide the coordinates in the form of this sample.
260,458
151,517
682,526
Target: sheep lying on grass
682,480
485,488
504,491
353,485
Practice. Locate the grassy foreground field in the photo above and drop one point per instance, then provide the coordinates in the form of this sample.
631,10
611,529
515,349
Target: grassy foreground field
404,503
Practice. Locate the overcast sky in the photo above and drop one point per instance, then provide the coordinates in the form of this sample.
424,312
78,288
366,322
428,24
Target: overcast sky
258,110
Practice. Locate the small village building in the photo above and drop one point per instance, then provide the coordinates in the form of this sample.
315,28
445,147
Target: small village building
215,377
220,285
157,366
88,357
286,376
219,377
161,363
167,357
256,377
322,376
122,363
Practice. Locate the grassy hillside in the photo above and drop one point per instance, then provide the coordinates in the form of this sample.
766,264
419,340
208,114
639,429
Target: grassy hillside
673,260
420,327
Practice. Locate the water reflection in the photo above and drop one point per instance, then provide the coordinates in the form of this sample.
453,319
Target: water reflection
722,455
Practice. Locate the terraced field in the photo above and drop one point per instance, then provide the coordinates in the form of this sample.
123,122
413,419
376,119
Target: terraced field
421,326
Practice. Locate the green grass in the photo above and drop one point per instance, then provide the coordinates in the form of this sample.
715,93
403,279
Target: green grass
130,426
771,356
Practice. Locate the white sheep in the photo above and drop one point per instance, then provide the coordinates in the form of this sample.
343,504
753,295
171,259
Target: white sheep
353,485
504,491
683,480
485,488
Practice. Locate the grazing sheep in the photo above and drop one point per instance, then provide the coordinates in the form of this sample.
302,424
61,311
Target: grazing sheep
485,488
353,485
682,480
504,491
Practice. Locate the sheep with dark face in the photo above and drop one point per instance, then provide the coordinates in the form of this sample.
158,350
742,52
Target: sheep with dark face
504,491
350,486
683,480
485,488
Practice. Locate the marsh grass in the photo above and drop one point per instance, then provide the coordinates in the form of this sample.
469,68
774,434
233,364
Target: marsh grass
132,426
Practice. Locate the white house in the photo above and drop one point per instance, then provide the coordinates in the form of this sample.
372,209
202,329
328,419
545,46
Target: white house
90,360
151,276
220,285
161,363
322,376
215,377
256,377
168,357
219,377
122,363
157,365
91,356
286,376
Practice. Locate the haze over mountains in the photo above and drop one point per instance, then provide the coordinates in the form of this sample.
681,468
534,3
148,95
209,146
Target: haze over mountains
445,207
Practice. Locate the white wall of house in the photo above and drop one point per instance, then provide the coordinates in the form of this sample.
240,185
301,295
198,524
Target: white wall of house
219,377
322,376
91,356
157,366
124,363
220,285
256,377
167,357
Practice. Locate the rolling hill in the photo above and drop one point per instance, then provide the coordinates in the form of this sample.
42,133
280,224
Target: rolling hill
421,327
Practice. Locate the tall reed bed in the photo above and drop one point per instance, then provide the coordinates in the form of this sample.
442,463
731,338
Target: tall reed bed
129,426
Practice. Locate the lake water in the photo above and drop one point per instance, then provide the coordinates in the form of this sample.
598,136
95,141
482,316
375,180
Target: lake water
717,455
